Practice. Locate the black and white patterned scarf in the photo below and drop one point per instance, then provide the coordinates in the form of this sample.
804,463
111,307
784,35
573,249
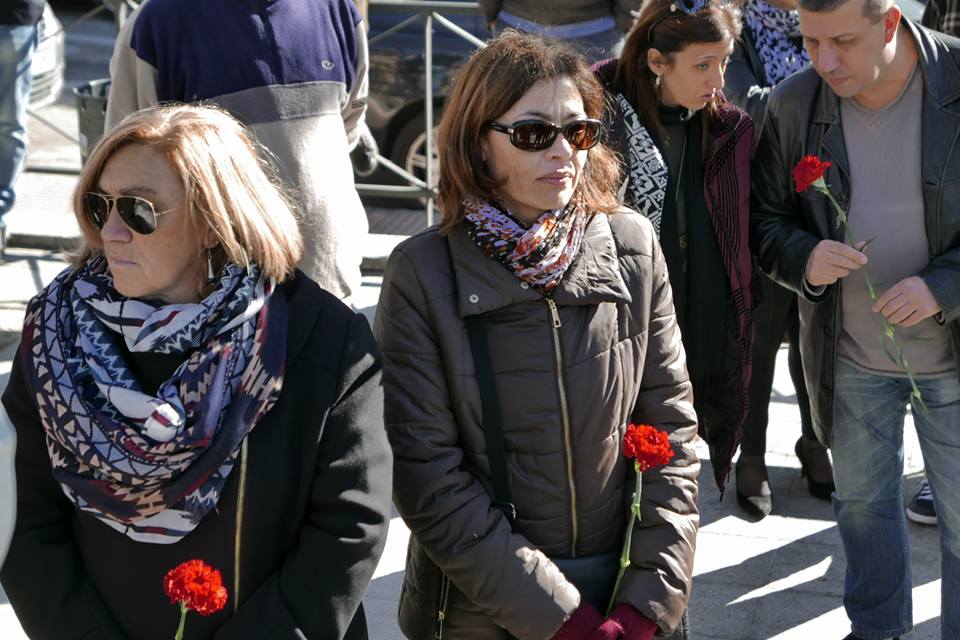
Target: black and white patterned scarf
645,186
151,465
538,255
771,28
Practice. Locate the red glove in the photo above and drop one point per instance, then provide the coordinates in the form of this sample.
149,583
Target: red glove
581,624
625,622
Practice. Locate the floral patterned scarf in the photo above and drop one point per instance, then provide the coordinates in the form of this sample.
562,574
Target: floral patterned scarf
538,255
151,465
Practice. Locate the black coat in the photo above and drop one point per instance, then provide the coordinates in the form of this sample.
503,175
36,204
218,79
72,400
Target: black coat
745,81
316,505
803,118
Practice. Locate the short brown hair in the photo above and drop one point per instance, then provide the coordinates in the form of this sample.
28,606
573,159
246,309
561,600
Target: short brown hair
230,187
661,26
493,80
873,10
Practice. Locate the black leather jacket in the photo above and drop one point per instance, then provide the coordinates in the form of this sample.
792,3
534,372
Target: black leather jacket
803,117
745,82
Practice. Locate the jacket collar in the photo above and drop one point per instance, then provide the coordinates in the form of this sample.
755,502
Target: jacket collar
485,285
941,77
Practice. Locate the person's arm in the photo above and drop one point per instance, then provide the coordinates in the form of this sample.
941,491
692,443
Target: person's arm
778,236
490,10
354,109
446,507
743,87
790,254
623,13
657,584
133,82
43,575
319,586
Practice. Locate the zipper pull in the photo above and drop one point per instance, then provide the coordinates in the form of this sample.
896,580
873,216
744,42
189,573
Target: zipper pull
554,313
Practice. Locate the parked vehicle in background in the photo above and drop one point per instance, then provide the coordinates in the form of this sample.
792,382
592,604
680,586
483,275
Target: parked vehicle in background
395,112
48,62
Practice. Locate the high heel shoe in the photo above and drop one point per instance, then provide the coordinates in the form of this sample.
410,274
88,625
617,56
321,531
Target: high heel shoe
753,486
815,467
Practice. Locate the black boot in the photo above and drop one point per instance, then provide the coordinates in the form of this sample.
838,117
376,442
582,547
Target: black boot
815,467
753,486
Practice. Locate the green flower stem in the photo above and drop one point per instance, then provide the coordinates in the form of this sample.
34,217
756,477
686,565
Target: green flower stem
897,356
183,620
625,553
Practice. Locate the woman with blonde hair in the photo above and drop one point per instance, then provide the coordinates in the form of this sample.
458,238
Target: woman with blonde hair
520,338
184,392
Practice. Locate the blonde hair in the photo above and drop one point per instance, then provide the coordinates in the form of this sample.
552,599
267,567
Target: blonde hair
230,187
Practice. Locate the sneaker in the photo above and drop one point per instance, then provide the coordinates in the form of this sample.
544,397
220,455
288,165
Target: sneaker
921,508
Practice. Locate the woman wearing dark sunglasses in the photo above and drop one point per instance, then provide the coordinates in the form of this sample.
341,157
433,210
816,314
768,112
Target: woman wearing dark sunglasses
183,392
686,153
519,339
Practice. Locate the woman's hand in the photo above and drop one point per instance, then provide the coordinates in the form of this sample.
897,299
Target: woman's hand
584,622
625,622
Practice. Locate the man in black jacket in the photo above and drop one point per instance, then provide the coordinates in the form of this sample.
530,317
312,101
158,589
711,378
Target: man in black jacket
882,105
18,39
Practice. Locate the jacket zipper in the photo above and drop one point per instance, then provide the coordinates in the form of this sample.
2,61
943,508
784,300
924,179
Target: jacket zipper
442,611
237,534
565,417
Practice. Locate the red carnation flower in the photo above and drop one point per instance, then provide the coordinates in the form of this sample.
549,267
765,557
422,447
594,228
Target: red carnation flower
808,171
197,586
648,446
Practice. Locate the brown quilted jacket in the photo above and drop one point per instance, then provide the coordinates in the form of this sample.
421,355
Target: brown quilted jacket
569,378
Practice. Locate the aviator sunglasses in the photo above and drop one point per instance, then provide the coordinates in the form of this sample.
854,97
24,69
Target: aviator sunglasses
537,135
137,213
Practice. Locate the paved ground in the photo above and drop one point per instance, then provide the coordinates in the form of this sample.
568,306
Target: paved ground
778,578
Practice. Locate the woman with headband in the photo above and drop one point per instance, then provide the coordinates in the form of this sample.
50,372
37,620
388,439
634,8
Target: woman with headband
686,154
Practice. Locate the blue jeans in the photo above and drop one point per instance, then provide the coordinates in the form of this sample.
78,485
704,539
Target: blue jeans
16,49
868,469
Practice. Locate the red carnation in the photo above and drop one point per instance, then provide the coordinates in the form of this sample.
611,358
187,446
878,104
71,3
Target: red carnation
648,446
808,171
197,586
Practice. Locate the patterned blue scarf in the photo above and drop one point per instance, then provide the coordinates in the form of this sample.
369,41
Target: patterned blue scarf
771,28
152,466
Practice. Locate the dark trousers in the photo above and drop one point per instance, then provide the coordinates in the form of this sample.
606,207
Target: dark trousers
775,317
